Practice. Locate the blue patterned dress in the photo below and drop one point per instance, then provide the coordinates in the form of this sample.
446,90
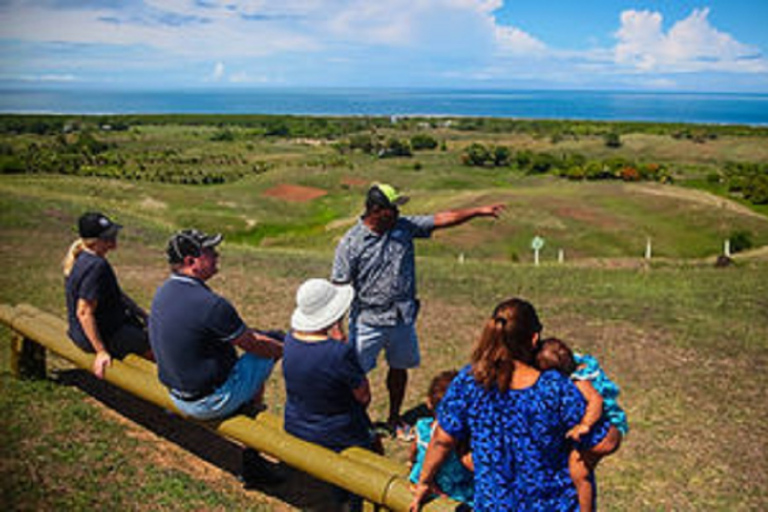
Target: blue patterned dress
518,440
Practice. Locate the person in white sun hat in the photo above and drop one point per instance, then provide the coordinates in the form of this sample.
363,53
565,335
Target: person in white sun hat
326,389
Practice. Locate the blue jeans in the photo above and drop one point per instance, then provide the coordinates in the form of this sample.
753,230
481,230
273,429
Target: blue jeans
245,380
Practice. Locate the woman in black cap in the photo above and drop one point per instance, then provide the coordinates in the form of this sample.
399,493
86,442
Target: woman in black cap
102,319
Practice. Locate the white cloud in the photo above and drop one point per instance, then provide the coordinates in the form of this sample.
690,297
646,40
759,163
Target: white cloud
691,45
48,78
221,28
218,72
349,41
222,34
514,41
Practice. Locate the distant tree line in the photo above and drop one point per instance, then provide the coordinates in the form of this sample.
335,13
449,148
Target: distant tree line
84,154
337,127
387,147
572,166
747,179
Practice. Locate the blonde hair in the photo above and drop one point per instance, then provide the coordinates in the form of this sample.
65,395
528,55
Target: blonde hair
74,251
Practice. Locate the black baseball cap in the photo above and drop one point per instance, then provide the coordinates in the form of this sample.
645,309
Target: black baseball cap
97,225
190,242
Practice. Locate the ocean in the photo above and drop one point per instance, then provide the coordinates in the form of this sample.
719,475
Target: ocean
667,107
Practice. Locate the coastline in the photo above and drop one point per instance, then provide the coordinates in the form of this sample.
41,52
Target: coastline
749,109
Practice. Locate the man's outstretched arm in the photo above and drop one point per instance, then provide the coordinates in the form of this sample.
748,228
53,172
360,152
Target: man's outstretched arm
452,218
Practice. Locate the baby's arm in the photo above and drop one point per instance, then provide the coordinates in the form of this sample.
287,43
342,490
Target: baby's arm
413,451
465,455
468,462
592,413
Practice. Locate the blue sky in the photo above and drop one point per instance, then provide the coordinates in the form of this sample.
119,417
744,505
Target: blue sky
675,45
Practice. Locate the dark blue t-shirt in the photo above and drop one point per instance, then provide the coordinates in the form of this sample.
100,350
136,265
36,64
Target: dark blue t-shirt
93,279
320,406
191,330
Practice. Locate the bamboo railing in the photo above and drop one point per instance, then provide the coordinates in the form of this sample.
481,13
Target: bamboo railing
379,481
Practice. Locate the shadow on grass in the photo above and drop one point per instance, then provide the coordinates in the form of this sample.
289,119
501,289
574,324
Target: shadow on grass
298,489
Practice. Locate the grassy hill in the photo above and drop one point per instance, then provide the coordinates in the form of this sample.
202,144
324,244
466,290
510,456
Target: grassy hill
688,343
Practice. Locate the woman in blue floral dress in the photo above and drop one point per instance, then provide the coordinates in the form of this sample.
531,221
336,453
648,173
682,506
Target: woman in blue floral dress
515,417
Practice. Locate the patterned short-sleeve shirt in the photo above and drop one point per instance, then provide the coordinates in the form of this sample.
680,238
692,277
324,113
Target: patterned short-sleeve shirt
518,440
382,269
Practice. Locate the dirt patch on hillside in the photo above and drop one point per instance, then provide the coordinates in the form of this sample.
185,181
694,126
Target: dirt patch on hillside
587,216
354,182
696,196
294,193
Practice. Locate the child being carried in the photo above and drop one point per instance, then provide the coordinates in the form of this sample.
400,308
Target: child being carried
601,395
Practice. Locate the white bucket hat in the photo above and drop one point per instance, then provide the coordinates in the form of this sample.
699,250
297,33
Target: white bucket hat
319,304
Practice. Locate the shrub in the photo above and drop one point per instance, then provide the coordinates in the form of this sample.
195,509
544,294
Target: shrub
10,164
502,156
597,171
476,155
542,163
575,173
362,141
277,128
523,159
574,160
630,174
396,147
740,241
756,189
713,178
224,135
423,141
612,140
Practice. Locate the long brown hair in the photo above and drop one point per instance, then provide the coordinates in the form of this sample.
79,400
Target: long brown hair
506,337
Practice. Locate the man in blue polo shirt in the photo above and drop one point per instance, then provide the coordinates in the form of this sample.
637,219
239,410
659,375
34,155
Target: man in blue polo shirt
377,257
194,332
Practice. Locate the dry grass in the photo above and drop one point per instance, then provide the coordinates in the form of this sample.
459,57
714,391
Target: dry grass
687,344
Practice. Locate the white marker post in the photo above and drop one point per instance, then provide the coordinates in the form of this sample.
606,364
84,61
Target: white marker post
536,244
648,250
561,256
727,247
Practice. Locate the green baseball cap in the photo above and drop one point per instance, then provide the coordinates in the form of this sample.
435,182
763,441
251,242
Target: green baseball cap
385,195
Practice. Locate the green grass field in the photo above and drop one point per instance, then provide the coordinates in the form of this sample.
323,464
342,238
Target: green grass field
688,343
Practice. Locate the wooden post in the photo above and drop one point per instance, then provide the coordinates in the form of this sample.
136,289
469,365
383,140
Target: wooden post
27,358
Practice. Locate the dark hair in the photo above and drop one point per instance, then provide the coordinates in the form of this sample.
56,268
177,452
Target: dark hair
553,353
439,386
506,337
190,242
